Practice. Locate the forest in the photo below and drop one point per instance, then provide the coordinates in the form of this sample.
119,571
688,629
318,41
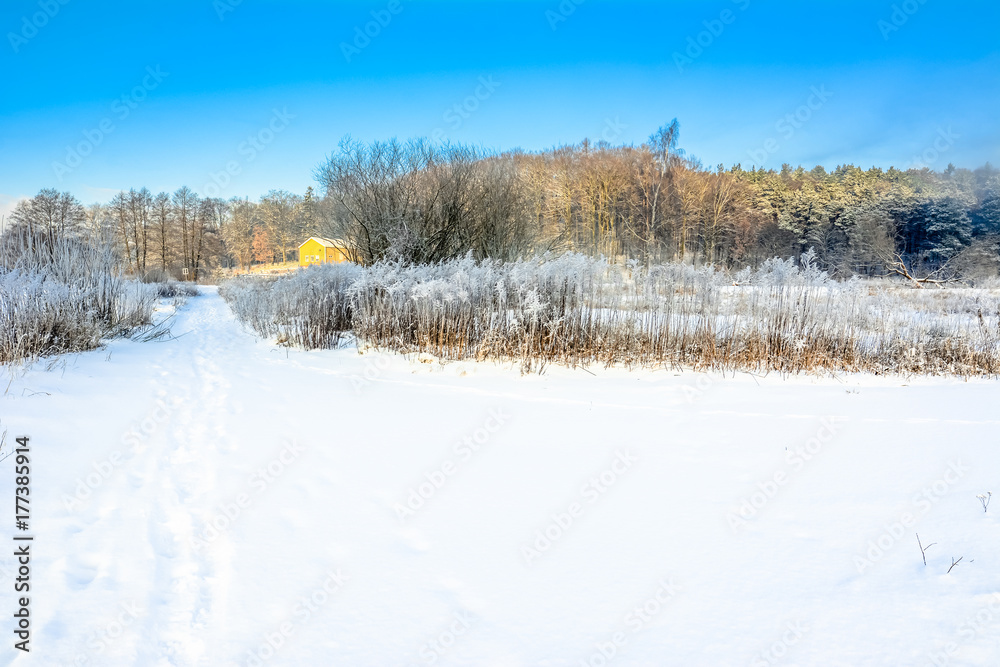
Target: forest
421,202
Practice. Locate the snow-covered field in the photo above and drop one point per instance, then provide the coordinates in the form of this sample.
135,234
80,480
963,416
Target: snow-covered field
218,500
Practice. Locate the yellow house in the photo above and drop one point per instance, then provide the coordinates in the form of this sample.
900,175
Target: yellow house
320,251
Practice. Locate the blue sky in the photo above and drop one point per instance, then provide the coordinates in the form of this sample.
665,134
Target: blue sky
235,98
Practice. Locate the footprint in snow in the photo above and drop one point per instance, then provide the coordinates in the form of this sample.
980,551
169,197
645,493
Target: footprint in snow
80,572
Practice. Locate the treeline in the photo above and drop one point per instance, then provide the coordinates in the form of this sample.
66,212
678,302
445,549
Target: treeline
419,202
652,202
178,235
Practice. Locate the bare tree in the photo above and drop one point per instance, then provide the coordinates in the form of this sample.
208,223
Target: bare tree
689,192
185,212
501,224
120,210
160,229
665,157
239,231
132,211
422,203
205,242
370,189
280,212
51,214
98,223
720,198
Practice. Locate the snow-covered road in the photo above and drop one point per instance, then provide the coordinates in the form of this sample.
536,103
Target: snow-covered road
218,500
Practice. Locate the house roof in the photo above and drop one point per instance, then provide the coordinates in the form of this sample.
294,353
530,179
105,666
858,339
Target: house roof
327,243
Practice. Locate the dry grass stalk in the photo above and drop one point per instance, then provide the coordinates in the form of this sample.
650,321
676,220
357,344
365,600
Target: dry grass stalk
578,310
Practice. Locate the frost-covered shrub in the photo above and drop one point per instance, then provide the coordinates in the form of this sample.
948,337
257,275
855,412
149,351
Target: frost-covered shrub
576,309
171,289
64,296
309,308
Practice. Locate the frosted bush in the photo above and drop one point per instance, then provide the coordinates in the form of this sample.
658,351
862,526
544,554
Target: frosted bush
64,296
309,308
576,309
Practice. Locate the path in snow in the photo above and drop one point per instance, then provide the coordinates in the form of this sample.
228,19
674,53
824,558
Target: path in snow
217,500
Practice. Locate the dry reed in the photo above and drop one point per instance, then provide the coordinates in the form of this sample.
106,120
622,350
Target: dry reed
578,310
64,296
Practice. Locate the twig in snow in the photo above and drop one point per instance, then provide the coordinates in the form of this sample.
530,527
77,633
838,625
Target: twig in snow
923,549
954,563
985,500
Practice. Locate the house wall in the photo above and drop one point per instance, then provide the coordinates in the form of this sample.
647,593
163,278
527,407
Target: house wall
335,255
311,249
323,254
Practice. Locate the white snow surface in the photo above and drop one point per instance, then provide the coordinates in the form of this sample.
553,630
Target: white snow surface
216,499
